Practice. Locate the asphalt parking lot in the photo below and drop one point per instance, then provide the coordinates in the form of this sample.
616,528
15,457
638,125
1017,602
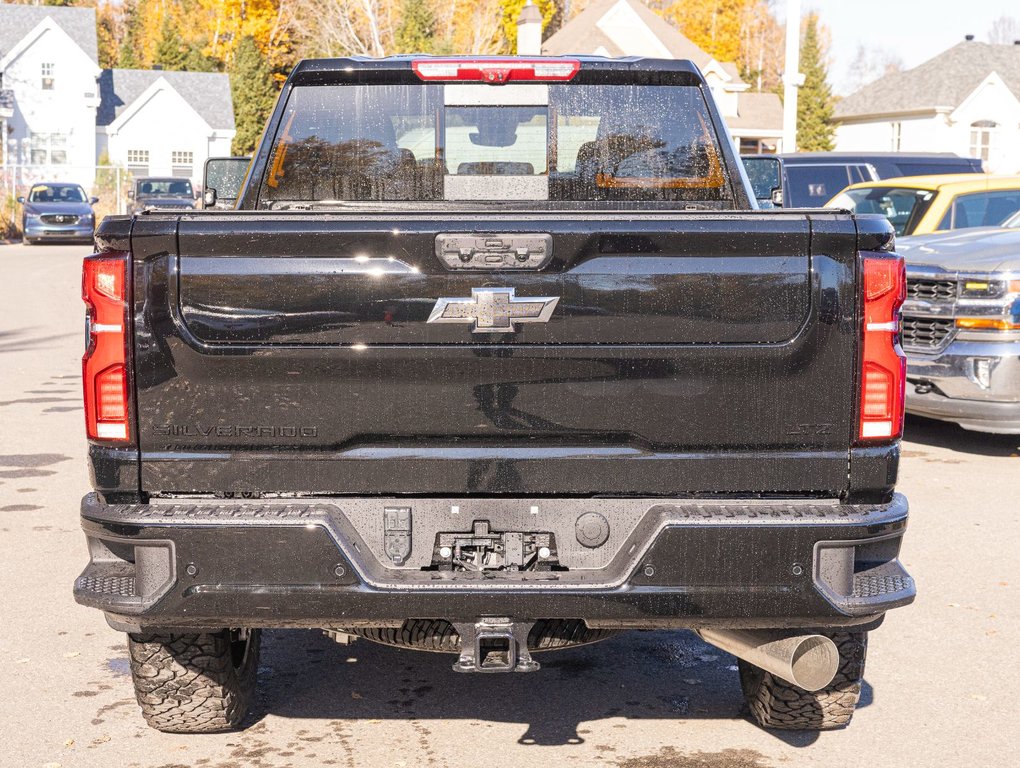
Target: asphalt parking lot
941,683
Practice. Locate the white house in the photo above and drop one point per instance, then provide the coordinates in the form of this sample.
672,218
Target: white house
629,28
59,111
164,123
48,73
966,100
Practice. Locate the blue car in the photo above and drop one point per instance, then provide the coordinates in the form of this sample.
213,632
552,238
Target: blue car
57,212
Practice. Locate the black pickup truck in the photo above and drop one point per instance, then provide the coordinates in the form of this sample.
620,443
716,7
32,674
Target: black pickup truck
494,357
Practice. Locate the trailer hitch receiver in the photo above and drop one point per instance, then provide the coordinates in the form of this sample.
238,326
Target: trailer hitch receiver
495,645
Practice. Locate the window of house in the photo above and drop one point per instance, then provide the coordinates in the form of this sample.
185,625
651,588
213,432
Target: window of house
981,134
48,149
138,161
897,132
182,163
47,76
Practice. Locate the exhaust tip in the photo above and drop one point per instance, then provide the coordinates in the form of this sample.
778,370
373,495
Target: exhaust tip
815,662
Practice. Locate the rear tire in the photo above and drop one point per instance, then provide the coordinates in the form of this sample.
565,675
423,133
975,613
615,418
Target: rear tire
201,683
775,703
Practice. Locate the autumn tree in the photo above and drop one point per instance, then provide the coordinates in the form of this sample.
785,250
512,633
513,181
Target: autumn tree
512,11
343,27
815,104
226,22
417,28
109,31
713,25
762,40
467,26
254,92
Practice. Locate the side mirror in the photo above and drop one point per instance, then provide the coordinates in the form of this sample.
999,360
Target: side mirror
765,172
224,176
93,200
209,198
131,194
21,199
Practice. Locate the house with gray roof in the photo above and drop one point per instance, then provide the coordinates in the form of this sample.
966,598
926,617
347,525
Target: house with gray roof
48,91
164,123
59,111
966,100
618,28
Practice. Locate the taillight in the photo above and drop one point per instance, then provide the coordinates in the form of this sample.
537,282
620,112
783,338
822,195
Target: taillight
496,71
104,366
883,365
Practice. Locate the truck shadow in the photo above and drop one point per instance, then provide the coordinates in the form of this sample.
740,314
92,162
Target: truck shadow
663,675
943,434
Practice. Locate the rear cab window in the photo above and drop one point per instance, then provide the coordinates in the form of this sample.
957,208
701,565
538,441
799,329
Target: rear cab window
437,142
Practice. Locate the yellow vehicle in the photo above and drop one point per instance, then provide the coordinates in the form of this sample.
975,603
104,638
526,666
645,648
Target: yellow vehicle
919,205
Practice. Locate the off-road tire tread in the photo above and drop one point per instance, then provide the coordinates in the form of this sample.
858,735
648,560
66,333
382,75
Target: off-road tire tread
440,636
775,703
188,683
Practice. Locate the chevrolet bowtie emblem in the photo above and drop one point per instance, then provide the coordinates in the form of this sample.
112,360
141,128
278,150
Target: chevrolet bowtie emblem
494,310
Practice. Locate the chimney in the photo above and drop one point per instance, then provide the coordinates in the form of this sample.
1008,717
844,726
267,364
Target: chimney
529,31
969,38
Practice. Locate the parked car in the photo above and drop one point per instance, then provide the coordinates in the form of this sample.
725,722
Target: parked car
920,205
812,178
57,212
161,193
961,327
443,383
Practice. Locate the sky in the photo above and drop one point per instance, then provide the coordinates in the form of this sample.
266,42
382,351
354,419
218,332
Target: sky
915,30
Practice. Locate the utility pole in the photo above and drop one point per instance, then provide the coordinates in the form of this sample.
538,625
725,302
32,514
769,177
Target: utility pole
792,78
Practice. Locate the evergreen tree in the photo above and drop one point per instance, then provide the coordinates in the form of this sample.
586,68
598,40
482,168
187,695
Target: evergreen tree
196,61
416,31
254,93
129,56
815,103
172,51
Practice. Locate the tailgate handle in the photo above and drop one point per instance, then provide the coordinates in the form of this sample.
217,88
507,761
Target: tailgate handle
494,251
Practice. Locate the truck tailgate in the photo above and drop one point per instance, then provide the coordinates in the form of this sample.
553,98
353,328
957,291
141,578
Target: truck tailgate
684,353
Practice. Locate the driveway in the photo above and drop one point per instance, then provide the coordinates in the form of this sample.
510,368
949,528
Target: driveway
942,675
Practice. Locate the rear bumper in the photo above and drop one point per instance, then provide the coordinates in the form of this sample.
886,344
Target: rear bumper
318,563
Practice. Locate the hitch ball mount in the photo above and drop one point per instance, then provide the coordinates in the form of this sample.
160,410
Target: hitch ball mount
495,645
